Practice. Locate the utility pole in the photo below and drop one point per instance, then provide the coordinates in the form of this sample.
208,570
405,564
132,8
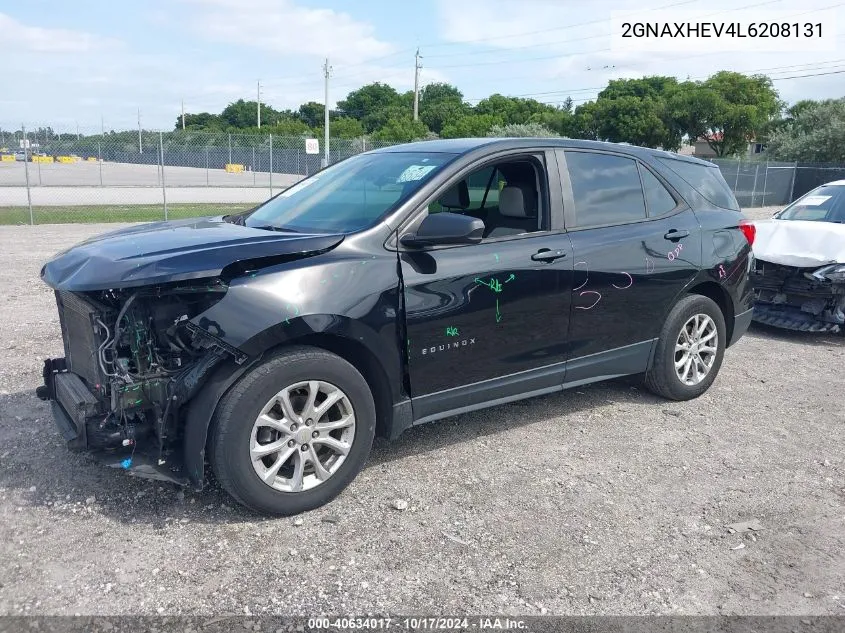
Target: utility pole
259,104
326,71
77,130
417,67
183,115
140,147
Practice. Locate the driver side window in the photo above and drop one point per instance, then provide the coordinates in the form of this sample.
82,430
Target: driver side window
507,196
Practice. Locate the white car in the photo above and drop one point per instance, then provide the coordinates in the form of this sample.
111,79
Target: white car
799,272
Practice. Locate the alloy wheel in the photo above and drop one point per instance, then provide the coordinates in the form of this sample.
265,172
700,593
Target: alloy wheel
302,436
696,349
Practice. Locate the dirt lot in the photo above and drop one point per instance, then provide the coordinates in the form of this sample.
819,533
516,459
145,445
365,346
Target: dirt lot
601,500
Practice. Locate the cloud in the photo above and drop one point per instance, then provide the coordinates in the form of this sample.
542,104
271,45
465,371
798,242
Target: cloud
556,48
21,38
280,26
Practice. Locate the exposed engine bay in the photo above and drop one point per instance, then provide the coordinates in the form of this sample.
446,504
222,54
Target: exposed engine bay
132,360
807,299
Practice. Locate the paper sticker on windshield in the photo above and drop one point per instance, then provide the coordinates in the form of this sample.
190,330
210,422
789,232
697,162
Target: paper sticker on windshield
415,172
298,187
813,201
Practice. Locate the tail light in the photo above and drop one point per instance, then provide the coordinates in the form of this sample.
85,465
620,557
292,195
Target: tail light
748,230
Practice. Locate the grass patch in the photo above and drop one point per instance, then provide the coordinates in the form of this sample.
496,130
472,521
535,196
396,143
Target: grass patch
116,213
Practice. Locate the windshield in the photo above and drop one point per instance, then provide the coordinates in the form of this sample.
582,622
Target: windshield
823,204
350,195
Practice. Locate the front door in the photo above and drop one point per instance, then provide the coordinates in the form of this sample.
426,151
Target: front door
487,322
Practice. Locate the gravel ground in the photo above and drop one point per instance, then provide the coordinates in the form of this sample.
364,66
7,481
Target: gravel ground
601,500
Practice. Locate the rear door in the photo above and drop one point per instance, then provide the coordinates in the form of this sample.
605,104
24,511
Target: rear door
487,322
636,246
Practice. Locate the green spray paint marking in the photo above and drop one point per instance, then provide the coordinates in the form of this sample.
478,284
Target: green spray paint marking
496,255
452,331
496,286
288,308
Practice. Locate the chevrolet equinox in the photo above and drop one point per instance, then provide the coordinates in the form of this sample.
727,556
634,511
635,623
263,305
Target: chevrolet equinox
393,288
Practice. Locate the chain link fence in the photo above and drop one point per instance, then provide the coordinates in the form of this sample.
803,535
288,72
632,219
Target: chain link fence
759,184
145,175
130,176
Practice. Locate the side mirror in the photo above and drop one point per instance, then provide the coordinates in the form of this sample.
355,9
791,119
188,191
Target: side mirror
445,228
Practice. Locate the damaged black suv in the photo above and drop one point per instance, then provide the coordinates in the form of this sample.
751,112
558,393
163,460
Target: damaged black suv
396,287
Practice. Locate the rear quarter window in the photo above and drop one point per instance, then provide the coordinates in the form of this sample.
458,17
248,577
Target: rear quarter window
706,180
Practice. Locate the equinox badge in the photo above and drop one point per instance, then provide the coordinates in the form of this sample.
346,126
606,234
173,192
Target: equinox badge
445,346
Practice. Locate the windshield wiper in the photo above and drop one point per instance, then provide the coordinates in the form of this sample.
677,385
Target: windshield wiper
273,227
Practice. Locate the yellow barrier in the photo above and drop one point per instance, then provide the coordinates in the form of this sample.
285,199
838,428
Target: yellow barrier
67,159
42,159
7,158
234,168
92,159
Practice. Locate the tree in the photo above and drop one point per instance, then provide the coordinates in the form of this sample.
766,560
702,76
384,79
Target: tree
312,113
511,109
654,87
366,103
244,114
727,110
559,120
637,111
521,130
469,126
342,127
636,120
200,121
401,129
585,121
815,133
441,103
288,127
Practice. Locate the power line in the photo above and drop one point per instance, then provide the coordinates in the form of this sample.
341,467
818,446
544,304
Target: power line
609,49
747,72
556,28
590,37
834,72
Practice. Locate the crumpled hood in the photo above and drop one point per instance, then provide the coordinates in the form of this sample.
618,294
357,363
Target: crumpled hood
162,252
799,243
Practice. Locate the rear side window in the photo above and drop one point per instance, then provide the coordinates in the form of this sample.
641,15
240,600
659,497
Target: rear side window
706,180
606,189
657,197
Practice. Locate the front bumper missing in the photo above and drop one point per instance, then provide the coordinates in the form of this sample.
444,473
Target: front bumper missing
73,405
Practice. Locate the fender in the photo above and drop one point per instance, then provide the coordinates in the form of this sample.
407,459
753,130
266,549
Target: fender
200,411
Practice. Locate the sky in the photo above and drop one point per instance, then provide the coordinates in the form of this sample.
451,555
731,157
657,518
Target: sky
89,63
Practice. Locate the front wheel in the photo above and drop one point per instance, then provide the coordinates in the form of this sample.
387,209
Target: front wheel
689,351
293,432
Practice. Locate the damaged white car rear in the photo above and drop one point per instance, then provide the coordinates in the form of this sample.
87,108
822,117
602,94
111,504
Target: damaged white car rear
799,271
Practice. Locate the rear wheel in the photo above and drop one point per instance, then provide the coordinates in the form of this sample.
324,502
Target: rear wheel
690,350
293,432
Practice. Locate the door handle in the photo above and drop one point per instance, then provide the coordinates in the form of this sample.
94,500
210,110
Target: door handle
674,235
547,255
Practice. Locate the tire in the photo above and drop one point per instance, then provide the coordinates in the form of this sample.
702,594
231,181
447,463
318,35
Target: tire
237,435
662,378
